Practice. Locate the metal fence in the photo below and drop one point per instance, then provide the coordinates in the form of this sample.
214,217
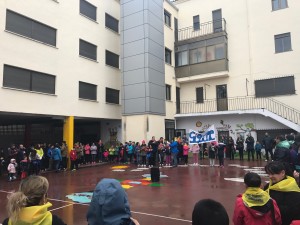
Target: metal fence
241,103
203,29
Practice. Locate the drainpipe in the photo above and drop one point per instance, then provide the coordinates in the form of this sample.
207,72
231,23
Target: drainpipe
249,48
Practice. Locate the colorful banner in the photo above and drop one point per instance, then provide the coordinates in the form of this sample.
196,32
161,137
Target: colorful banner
208,136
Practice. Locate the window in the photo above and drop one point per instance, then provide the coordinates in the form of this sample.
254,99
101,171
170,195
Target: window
196,22
197,55
88,10
168,92
181,58
175,29
87,49
275,86
87,91
215,52
111,23
199,95
168,56
167,16
30,28
283,42
112,59
19,78
112,96
279,4
217,20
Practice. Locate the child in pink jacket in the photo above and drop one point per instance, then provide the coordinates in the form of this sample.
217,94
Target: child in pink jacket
195,150
185,154
12,170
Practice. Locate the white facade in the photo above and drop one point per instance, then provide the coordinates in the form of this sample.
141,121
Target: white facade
250,29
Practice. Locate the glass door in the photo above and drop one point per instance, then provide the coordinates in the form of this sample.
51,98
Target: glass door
222,101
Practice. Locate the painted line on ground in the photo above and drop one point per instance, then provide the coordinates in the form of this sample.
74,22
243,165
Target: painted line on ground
60,207
75,203
165,217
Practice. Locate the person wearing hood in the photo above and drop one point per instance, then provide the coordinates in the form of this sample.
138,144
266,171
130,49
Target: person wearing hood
282,154
284,190
255,206
109,205
12,170
29,204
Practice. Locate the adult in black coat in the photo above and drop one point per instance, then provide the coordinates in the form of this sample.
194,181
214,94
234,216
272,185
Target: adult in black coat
284,190
268,143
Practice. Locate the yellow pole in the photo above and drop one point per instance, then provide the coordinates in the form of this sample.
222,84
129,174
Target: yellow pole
68,134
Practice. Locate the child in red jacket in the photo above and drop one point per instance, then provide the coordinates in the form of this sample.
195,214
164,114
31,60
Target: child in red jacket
255,206
73,158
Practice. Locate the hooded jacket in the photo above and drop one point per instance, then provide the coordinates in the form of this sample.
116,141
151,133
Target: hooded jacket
109,205
286,193
255,215
36,215
282,152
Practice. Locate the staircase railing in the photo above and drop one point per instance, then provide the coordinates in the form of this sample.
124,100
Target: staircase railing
242,103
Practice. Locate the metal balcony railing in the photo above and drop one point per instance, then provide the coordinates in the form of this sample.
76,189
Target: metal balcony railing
241,103
210,27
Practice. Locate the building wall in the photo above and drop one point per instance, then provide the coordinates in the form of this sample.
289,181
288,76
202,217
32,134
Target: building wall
63,61
170,78
143,57
231,123
251,27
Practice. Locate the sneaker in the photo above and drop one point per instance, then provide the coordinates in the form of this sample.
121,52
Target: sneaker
73,169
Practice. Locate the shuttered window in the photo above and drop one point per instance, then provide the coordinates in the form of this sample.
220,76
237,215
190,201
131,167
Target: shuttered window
87,91
30,28
275,86
19,78
87,49
199,95
88,10
111,23
112,59
112,96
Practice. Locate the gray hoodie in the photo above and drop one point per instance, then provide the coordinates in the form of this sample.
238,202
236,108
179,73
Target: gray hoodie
109,205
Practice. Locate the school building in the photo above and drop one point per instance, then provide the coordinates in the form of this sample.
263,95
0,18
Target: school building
85,70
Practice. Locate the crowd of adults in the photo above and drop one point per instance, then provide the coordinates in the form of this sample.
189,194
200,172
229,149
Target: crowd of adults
278,202
42,157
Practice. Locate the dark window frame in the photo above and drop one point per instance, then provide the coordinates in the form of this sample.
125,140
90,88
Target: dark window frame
196,23
280,42
84,52
275,86
83,94
279,4
112,96
91,15
168,56
112,59
33,83
35,29
199,95
111,23
167,18
168,92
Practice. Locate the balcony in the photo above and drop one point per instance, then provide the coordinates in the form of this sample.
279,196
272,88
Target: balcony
240,105
212,28
202,51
